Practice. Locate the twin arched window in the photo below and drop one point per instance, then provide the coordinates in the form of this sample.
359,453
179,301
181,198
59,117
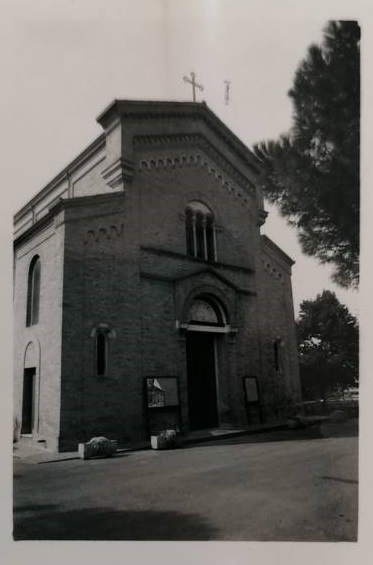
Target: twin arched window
33,292
200,231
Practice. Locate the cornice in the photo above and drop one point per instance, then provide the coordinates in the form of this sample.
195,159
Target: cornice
271,245
223,132
141,110
62,204
207,271
196,159
175,255
193,140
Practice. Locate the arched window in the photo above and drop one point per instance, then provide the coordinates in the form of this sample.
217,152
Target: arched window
200,231
102,334
33,292
278,354
101,353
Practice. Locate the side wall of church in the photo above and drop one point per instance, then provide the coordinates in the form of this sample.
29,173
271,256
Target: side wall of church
102,290
277,329
45,335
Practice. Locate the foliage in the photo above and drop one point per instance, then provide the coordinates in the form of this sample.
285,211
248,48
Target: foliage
328,339
312,173
100,446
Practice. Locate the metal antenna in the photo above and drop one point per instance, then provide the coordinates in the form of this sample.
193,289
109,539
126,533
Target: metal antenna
226,94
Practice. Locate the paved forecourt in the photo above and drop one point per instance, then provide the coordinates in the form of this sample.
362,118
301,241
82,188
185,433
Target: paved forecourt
284,485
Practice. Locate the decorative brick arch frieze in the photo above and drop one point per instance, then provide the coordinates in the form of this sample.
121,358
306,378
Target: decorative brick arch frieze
183,142
103,233
272,270
196,159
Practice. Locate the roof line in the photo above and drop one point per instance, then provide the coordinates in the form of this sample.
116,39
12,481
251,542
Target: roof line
266,240
76,162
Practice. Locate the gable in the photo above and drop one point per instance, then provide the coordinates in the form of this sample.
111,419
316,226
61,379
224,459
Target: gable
205,160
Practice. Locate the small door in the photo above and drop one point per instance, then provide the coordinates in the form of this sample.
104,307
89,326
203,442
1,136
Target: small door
203,412
28,400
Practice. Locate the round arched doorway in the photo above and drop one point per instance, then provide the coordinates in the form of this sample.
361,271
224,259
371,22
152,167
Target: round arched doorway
29,416
206,322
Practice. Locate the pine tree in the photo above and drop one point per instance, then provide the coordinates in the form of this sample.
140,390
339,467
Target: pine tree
312,173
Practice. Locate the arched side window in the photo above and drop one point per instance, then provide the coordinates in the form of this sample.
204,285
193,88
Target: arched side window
278,345
102,334
200,231
101,353
33,292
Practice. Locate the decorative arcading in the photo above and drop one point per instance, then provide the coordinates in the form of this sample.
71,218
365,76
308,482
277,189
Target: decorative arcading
219,131
195,159
103,233
272,270
193,142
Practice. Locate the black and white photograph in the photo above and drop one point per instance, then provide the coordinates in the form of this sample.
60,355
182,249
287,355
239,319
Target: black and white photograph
183,201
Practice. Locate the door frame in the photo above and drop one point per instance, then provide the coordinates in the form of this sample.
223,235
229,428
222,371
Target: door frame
216,372
29,373
32,360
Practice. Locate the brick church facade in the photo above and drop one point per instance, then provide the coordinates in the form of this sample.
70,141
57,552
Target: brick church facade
140,274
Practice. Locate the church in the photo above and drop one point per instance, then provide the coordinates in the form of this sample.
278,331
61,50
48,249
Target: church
145,296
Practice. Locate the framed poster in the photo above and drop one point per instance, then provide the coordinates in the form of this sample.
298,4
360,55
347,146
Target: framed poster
252,401
162,404
162,392
251,389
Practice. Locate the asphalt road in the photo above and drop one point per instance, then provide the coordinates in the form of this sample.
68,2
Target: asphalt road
279,486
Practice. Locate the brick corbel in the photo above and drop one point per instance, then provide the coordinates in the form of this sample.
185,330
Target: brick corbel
262,216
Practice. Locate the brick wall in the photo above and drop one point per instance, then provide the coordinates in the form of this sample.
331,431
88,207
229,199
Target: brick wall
46,334
276,322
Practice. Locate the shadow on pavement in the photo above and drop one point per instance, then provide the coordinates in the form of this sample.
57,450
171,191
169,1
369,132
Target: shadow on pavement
340,480
47,523
33,507
350,428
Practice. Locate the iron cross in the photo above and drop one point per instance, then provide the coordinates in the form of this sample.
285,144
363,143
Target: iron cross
193,83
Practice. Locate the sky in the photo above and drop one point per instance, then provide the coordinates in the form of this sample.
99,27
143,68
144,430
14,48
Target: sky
63,61
66,61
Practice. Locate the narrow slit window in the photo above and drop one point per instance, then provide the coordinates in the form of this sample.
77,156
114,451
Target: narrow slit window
277,350
101,354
